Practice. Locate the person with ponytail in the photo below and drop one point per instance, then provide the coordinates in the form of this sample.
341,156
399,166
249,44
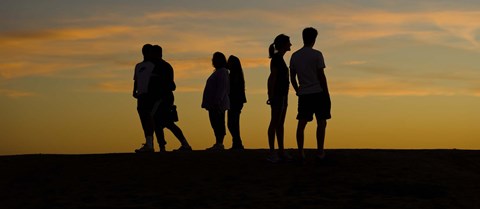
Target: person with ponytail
278,84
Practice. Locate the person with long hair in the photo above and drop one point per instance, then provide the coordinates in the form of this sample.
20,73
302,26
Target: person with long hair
216,99
162,85
278,84
237,99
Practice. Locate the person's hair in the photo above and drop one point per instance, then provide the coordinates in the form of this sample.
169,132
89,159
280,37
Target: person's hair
219,60
278,42
236,71
147,51
309,35
157,51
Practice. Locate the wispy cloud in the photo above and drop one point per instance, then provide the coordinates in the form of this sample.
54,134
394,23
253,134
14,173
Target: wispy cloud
107,48
15,93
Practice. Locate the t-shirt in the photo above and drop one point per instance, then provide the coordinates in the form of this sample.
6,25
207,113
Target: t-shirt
142,74
306,62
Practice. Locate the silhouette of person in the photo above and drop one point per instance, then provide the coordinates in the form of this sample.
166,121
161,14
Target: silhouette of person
162,85
237,99
278,84
145,101
307,64
216,99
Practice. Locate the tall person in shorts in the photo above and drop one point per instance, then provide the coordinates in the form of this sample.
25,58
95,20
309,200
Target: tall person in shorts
307,64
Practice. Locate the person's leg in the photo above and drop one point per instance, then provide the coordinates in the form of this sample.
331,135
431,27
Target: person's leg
274,120
147,125
144,108
301,136
280,130
178,133
305,114
159,133
321,128
159,124
234,128
222,131
217,121
323,105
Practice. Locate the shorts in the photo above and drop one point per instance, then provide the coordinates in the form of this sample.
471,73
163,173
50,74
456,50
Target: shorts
317,103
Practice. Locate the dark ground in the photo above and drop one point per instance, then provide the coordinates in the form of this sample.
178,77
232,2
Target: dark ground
423,179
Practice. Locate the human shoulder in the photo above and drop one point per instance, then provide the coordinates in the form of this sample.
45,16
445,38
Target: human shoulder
144,64
316,52
167,64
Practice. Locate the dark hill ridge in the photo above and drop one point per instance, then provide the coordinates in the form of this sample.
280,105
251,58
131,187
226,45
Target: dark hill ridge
201,179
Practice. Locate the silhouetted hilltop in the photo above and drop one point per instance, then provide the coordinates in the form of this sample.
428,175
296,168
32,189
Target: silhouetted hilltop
201,179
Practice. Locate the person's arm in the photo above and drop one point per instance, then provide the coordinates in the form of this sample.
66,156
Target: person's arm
134,94
323,79
321,73
293,79
170,79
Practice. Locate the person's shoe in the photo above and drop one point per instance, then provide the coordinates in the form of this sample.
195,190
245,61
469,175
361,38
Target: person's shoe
145,149
216,147
184,148
273,158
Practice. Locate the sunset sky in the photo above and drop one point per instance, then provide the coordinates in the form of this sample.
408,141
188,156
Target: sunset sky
402,74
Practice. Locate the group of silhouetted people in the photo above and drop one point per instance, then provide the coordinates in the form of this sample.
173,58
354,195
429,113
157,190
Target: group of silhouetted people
153,88
225,93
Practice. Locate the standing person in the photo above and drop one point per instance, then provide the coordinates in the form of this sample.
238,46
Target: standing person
313,97
162,85
145,101
278,84
216,100
237,99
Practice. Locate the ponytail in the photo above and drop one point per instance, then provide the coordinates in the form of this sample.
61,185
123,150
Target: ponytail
279,41
271,50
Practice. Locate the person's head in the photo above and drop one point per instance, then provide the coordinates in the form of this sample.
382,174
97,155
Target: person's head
157,52
219,60
147,51
281,44
234,64
309,35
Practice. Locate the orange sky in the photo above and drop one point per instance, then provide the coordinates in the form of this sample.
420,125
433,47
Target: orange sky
401,76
